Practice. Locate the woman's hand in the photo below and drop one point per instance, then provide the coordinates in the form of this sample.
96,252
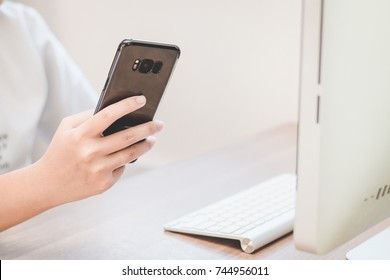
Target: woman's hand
80,162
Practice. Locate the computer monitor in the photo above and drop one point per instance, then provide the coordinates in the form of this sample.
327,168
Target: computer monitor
343,163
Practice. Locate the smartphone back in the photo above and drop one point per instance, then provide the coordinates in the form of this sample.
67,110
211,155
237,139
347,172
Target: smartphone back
139,68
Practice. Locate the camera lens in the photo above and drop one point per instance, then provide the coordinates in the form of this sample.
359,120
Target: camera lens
157,67
145,66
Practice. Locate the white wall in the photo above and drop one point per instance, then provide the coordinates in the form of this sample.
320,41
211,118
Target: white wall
238,73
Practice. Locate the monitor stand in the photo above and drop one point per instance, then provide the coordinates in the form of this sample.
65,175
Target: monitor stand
375,248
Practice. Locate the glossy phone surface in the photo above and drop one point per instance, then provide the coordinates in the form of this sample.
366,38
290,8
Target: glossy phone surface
139,68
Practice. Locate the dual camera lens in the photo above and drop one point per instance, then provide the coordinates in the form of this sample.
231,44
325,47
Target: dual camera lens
147,65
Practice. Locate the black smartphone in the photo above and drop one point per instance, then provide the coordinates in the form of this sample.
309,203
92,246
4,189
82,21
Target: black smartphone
139,68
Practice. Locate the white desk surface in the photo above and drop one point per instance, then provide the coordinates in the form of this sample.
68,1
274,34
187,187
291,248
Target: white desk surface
126,222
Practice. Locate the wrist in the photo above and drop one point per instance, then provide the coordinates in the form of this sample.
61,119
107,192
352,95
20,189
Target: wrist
46,186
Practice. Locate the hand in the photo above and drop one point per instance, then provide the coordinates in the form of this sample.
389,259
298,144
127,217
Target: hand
80,162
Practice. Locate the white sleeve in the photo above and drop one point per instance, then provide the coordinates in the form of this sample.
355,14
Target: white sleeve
68,90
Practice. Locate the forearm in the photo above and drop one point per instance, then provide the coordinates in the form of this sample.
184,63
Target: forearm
22,196
78,163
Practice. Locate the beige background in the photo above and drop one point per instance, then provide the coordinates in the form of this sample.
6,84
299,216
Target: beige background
237,76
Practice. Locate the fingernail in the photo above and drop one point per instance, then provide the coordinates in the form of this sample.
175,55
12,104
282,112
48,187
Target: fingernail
140,99
152,140
159,125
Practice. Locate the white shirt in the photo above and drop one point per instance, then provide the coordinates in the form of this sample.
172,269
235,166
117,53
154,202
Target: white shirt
39,85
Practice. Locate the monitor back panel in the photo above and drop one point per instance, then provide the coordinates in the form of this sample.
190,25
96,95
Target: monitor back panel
344,131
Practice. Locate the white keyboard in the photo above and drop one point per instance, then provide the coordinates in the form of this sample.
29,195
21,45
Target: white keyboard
255,216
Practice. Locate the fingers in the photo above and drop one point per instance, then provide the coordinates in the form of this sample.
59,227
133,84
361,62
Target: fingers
131,153
125,138
104,118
